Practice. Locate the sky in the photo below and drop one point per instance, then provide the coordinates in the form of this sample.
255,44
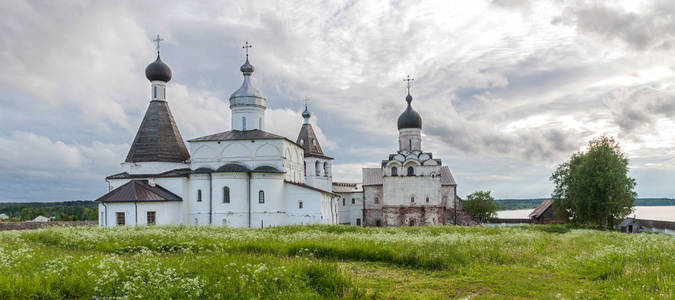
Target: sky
507,89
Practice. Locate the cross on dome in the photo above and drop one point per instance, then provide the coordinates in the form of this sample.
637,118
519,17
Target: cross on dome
246,47
157,40
409,80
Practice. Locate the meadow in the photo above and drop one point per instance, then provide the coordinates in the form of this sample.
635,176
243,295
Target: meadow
317,262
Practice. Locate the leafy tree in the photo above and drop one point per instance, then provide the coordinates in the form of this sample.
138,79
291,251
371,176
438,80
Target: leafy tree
593,188
480,205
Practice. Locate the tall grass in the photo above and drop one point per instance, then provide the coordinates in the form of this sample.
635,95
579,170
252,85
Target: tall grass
197,262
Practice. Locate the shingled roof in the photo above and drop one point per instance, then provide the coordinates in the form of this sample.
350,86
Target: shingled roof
308,141
158,138
372,176
446,176
139,191
537,212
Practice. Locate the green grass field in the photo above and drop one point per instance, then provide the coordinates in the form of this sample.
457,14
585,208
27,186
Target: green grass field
312,262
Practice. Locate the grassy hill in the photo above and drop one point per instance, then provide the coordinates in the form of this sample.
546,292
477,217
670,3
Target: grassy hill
314,262
511,204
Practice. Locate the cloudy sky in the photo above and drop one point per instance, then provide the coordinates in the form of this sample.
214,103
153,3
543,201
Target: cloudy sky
507,88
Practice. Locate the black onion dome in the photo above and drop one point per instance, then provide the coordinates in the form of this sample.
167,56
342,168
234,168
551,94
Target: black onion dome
158,71
409,118
306,114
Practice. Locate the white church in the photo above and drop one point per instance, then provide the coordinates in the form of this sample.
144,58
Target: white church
249,177
245,177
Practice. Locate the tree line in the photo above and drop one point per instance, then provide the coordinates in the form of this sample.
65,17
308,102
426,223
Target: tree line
60,211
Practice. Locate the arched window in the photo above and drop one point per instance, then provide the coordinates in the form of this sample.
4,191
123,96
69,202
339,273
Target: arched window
261,196
226,194
302,142
243,123
410,144
199,195
305,165
377,200
411,171
300,204
394,171
317,170
314,142
412,199
427,199
325,168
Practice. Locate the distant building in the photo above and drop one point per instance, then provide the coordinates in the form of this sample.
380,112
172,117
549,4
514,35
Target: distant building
40,219
544,214
630,225
4,217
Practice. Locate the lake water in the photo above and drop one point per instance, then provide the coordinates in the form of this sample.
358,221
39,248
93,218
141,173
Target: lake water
659,213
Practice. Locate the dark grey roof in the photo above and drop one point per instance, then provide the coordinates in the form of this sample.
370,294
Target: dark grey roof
537,212
267,169
171,173
446,176
409,118
232,168
309,141
202,170
139,191
158,70
158,138
255,134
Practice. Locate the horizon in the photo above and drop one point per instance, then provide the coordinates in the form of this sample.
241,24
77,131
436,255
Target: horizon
507,90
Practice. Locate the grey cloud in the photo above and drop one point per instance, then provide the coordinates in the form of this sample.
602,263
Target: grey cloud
635,109
652,29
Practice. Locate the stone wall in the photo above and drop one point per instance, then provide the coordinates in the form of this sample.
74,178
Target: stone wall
36,225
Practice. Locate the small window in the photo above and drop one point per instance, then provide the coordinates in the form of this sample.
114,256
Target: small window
305,165
226,194
412,199
261,196
378,223
243,123
154,92
353,201
120,218
410,144
150,216
300,204
196,221
260,123
377,200
358,222
317,170
302,142
325,169
411,222
427,199
314,142
199,195
394,171
411,171
224,222
344,202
